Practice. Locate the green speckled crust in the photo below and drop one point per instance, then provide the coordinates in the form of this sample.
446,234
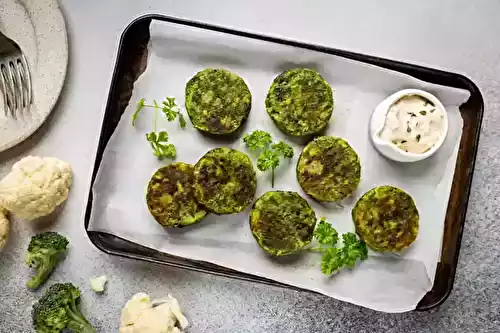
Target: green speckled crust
300,102
328,169
386,218
225,181
170,196
282,222
217,101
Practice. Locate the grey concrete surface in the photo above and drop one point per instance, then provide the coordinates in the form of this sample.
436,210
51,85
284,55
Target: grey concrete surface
457,35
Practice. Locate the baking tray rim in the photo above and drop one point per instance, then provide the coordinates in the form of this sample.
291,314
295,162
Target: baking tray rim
466,83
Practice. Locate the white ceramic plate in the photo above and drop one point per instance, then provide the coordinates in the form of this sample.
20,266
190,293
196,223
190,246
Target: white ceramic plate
39,29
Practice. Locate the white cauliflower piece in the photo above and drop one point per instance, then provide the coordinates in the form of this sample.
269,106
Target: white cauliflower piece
35,186
175,308
140,316
4,228
134,309
97,284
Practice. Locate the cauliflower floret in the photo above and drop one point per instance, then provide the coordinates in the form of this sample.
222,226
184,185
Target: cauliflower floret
4,228
140,316
35,186
97,284
176,310
134,308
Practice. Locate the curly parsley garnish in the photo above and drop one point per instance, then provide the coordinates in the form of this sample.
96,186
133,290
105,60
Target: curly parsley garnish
270,153
159,140
258,139
335,258
283,149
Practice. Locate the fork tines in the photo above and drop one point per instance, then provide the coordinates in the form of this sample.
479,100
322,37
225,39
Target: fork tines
15,84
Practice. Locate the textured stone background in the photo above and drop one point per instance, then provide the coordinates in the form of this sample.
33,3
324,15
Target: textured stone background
457,35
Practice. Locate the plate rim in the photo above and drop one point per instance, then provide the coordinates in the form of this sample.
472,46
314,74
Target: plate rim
40,26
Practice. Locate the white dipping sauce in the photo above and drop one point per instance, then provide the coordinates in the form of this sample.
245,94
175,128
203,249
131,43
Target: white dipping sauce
413,124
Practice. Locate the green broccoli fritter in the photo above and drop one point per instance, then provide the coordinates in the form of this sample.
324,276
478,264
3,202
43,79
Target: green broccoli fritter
170,196
58,311
300,102
217,101
328,169
282,222
225,181
386,218
45,250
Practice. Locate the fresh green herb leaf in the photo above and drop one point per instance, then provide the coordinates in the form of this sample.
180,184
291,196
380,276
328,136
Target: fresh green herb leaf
168,107
182,121
268,160
423,112
169,113
170,102
140,106
171,110
283,149
168,151
162,137
258,139
270,153
335,258
151,137
159,140
160,145
325,234
331,261
353,250
349,238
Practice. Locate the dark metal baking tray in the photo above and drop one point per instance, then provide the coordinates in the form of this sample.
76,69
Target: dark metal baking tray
131,62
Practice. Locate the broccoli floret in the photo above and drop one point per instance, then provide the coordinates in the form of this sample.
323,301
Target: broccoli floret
58,310
44,253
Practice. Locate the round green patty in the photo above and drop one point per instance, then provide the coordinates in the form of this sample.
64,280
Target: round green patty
282,222
328,169
300,102
225,181
386,218
217,101
170,196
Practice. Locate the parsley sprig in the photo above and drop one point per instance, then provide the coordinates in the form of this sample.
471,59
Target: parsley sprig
159,140
335,258
160,145
168,107
270,153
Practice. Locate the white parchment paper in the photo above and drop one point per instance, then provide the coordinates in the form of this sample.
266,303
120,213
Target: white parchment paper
384,283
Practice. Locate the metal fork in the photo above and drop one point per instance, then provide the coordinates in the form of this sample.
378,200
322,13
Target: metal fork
15,79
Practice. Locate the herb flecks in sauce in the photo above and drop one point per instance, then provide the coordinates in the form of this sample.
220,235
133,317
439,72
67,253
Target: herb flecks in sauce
413,124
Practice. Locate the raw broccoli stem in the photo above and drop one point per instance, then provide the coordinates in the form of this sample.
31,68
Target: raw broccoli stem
76,315
78,321
45,266
78,327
